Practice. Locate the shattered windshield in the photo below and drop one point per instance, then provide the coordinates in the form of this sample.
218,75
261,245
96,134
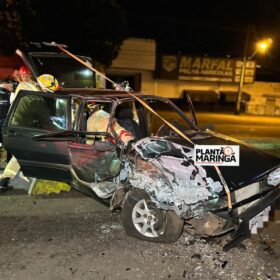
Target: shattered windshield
156,148
167,111
141,122
69,73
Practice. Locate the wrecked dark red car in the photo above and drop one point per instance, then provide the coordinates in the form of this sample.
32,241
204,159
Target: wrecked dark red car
153,178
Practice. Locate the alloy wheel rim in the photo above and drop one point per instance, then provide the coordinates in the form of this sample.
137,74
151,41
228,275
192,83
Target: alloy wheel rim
145,219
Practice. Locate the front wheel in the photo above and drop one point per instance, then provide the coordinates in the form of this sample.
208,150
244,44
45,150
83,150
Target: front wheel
143,220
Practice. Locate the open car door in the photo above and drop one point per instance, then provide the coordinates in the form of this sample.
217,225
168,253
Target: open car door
37,114
95,165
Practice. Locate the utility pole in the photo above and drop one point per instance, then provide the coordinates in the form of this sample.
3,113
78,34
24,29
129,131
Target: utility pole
242,76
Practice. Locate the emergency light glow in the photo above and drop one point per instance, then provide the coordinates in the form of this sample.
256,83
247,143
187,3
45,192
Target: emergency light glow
86,73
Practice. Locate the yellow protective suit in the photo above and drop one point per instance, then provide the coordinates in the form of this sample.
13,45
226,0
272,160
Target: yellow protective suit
27,86
13,167
40,187
24,86
99,121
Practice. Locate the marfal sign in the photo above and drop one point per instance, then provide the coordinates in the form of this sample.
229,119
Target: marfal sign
191,68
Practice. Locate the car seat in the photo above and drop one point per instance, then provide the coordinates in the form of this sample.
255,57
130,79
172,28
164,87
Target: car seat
124,116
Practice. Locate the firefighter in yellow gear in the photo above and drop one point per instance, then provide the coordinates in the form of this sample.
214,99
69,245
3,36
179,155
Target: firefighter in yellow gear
47,84
99,121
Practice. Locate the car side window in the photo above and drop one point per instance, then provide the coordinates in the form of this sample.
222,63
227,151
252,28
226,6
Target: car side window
40,112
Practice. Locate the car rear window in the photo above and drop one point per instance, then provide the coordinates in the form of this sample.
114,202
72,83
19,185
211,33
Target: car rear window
68,72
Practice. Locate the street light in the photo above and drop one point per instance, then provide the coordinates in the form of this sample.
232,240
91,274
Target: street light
261,47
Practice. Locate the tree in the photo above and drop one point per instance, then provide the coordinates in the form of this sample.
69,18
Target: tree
11,26
105,29
95,28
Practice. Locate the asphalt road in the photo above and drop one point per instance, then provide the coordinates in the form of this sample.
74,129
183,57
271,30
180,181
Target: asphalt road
70,236
261,131
243,126
75,237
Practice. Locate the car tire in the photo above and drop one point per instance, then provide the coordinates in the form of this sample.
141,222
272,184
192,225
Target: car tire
152,224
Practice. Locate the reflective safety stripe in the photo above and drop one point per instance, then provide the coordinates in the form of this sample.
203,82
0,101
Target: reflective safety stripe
11,169
124,135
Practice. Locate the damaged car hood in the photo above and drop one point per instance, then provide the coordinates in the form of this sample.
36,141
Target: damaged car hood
254,164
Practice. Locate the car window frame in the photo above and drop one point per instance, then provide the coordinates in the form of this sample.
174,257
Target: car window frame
27,57
23,93
80,119
192,124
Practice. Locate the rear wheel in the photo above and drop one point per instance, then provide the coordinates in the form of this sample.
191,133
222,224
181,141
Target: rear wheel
143,220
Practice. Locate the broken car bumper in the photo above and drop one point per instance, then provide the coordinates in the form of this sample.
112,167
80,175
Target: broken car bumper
243,229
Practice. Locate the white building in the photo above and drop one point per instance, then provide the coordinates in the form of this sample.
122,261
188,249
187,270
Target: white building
136,63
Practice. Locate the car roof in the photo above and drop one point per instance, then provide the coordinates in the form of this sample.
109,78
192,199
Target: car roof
89,93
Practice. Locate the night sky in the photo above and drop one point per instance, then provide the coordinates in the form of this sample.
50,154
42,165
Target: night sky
213,28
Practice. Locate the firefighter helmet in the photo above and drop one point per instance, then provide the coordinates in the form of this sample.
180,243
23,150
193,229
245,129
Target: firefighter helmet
48,82
24,71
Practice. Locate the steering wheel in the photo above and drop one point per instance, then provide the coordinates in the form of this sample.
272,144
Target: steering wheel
165,130
161,130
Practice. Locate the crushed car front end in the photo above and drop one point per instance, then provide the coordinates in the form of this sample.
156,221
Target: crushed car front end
164,168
